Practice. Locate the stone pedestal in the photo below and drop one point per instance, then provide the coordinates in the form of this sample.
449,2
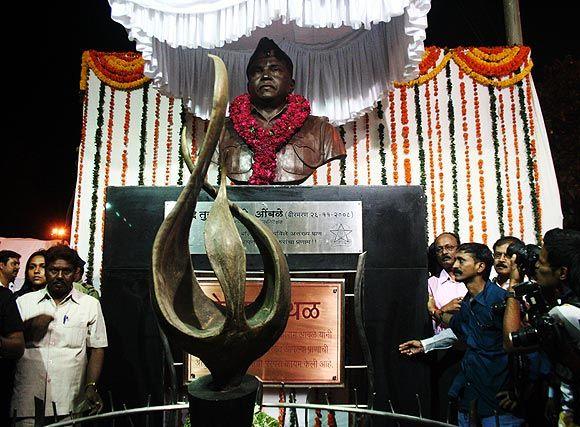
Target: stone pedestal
232,408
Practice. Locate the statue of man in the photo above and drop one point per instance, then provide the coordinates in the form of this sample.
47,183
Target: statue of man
270,136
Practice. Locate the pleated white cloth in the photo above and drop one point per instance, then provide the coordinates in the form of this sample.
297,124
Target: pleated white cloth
346,53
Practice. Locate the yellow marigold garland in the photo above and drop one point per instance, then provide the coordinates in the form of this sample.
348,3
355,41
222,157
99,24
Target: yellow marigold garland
510,215
465,134
439,151
120,70
431,159
533,151
518,170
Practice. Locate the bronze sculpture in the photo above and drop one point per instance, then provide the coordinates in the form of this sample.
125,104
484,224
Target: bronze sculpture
227,339
270,136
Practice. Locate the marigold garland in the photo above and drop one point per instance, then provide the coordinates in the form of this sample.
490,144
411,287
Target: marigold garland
381,134
439,152
282,411
328,174
451,115
518,170
315,177
143,135
431,74
169,143
342,166
95,183
479,146
534,153
120,70
110,125
405,133
156,139
531,160
467,159
510,215
393,137
81,167
368,148
355,152
429,60
431,159
494,81
491,66
126,124
498,185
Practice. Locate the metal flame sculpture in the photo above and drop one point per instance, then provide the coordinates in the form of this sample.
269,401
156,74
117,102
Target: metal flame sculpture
227,339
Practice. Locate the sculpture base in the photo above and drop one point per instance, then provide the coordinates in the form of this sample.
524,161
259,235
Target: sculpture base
232,408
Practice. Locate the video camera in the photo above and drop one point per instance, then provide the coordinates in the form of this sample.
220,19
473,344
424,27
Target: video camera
526,257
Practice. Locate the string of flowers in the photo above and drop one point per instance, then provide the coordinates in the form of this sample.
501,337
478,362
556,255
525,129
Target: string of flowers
120,70
169,144
467,160
479,146
282,411
81,167
180,160
95,194
439,152
314,178
355,152
518,170
381,133
328,174
431,160
126,124
431,74
156,139
393,136
110,125
451,115
508,195
194,139
493,54
368,148
494,136
317,418
293,414
405,133
419,126
342,133
491,66
143,134
534,154
531,160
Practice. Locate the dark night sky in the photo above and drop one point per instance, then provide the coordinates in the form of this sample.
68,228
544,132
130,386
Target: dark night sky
42,124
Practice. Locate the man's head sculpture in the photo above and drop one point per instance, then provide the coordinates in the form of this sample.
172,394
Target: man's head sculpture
226,338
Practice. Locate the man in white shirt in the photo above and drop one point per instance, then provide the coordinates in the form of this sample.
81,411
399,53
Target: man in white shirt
9,267
65,339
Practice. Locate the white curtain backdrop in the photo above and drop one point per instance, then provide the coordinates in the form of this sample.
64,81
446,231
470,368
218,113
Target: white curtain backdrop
346,53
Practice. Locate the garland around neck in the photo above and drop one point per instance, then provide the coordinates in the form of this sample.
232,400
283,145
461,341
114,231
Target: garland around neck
265,143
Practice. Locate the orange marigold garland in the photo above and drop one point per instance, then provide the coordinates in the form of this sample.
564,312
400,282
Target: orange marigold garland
439,152
534,161
156,139
169,144
405,133
518,171
328,174
467,161
314,178
110,125
368,148
282,411
126,124
393,130
120,70
431,159
508,193
355,152
479,142
193,139
81,166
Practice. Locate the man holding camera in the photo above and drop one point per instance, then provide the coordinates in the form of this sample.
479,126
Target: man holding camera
553,312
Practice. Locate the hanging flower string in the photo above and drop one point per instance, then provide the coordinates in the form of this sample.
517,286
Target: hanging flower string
439,152
282,411
169,143
181,161
405,133
80,171
497,166
381,134
451,116
314,177
156,139
355,152
368,148
431,159
536,207
126,124
143,135
120,70
518,171
393,136
479,146
508,192
95,183
467,160
110,126
328,174
342,133
265,143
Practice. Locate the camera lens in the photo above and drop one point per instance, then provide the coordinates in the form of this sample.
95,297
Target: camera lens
525,337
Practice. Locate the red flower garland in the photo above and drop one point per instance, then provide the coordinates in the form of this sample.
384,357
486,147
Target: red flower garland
266,142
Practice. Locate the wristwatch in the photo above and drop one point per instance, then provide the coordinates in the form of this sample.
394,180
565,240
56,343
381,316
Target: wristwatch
510,294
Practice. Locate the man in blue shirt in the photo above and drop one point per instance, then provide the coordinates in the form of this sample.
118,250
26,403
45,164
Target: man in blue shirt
484,369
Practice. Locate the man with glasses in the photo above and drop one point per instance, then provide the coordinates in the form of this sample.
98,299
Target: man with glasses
481,388
65,337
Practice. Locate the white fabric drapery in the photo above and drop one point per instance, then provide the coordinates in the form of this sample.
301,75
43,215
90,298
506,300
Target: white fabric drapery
342,71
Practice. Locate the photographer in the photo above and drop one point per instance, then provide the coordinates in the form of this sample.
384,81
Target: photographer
553,311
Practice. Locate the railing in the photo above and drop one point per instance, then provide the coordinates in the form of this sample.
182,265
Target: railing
184,406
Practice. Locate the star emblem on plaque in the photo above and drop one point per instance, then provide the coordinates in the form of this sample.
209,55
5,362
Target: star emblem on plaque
341,236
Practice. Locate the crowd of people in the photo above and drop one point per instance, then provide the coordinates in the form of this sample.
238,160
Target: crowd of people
52,338
510,345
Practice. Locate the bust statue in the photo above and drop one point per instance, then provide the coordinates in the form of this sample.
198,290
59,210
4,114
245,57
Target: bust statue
270,136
